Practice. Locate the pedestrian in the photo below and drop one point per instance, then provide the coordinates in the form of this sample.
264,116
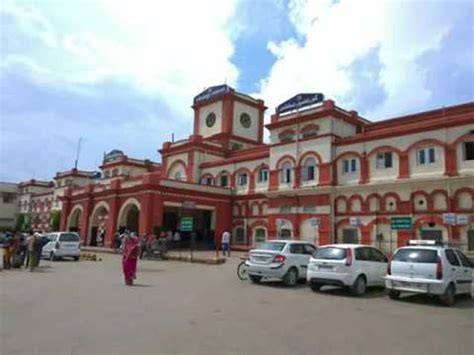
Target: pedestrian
226,243
129,259
177,236
7,251
143,244
16,259
32,254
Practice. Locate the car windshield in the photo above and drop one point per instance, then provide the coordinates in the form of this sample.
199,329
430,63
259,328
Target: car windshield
330,253
413,255
277,246
69,237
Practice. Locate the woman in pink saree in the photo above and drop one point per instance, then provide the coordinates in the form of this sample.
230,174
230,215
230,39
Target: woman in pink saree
131,250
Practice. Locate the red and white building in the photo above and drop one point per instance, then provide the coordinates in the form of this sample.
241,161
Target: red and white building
327,175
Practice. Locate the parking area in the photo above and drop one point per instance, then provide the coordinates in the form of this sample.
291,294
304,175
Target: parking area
179,308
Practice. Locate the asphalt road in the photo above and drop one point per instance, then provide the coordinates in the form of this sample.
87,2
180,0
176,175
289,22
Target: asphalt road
179,308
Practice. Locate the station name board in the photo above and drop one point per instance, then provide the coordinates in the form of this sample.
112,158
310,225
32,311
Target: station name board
300,101
212,92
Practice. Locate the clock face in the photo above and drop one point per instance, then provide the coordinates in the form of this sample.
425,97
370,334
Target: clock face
210,119
245,120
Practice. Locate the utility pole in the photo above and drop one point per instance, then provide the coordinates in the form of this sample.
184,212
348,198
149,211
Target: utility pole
78,152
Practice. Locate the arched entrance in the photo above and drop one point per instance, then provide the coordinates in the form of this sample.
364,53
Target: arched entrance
98,223
129,216
75,220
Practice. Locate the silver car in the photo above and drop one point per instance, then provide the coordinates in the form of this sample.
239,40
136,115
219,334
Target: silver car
286,260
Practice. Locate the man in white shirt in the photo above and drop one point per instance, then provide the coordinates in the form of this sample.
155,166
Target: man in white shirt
226,243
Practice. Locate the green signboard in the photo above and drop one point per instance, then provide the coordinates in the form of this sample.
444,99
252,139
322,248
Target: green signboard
397,223
186,224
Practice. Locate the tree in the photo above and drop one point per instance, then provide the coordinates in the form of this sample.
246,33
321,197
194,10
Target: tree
20,220
55,220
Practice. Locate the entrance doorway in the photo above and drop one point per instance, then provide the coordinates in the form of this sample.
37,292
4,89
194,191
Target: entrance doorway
470,240
130,218
99,220
350,236
436,235
202,226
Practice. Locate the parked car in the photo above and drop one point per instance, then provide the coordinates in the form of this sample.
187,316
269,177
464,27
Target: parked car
286,260
62,244
353,266
429,268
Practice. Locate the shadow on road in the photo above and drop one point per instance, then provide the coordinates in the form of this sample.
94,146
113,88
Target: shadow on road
462,301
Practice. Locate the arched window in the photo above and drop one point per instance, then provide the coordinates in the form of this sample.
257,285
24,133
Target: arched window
178,176
239,235
260,235
309,170
285,233
286,168
115,172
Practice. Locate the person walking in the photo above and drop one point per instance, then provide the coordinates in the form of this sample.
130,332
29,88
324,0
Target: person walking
32,251
7,251
129,258
226,243
143,244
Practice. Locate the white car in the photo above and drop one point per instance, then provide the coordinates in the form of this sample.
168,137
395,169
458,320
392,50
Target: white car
427,267
62,244
286,260
354,266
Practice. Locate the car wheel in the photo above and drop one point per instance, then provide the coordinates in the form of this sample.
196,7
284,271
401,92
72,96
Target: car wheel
291,278
76,258
448,298
52,257
358,289
394,295
255,279
315,287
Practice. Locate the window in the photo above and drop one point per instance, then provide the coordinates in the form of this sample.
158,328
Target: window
207,181
114,173
468,148
350,236
453,260
309,249
260,235
414,255
224,181
276,246
464,260
330,253
242,179
287,137
309,169
239,236
297,249
107,174
362,254
69,237
285,233
349,166
384,160
177,175
309,209
286,173
309,132
426,156
8,197
263,175
377,256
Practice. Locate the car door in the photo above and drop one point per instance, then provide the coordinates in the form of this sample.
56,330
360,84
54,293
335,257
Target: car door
454,270
48,246
465,280
379,266
363,264
298,258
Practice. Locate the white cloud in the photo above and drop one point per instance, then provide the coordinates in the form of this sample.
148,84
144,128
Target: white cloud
168,49
332,35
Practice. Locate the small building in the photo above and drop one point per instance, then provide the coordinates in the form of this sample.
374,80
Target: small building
8,205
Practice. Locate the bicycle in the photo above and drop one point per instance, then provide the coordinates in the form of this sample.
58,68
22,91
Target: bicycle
242,268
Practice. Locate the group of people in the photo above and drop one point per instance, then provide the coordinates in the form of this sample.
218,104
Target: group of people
22,250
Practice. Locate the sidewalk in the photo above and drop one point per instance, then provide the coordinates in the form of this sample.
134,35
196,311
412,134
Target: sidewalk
199,256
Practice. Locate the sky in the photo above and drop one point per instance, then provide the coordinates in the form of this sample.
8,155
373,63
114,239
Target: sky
122,74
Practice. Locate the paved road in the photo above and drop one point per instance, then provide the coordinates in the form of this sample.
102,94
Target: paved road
179,308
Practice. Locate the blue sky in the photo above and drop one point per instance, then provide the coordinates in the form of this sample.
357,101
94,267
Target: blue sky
122,73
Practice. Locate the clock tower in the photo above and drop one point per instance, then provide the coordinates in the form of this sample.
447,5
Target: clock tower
233,119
